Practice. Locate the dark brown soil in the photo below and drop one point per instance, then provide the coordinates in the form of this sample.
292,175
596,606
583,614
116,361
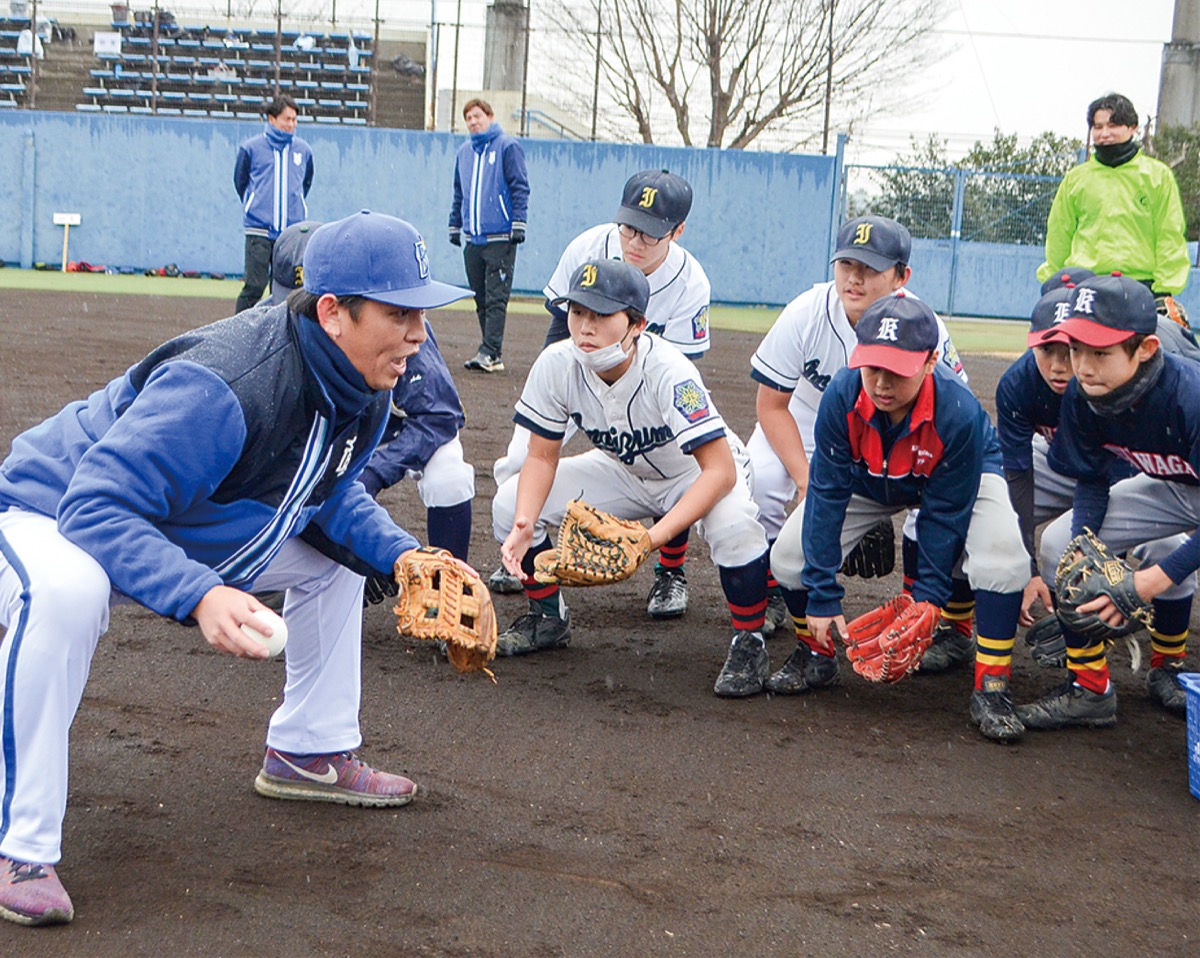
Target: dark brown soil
598,800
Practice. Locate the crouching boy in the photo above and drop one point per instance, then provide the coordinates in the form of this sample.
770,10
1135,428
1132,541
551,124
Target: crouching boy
662,449
895,431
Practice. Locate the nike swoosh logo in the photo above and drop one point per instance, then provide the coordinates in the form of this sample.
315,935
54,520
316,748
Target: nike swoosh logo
327,777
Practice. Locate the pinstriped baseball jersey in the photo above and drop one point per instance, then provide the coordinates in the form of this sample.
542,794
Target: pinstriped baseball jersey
649,420
679,288
810,341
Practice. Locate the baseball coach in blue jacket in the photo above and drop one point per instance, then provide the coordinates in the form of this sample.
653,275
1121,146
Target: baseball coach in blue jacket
183,485
491,199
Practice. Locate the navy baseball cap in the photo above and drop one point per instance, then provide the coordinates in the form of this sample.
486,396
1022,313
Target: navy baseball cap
877,241
1073,275
1106,310
1048,315
375,256
655,202
287,259
607,286
895,333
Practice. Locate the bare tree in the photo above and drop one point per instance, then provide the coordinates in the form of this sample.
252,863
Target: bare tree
723,72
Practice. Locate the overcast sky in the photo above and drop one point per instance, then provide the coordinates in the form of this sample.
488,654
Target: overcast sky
1026,66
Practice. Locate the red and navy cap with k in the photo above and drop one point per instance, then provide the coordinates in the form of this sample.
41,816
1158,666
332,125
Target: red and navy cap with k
375,256
607,286
655,202
1068,275
1106,310
1048,315
895,333
877,241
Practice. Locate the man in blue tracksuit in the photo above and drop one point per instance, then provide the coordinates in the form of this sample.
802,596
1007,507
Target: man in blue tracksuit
421,439
186,484
491,198
272,175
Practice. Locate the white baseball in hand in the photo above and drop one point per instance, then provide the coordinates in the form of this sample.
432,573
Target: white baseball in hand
266,619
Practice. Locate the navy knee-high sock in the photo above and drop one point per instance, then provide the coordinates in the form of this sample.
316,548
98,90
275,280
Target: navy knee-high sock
450,528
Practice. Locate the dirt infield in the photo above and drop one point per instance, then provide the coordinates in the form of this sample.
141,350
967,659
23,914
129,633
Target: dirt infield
598,800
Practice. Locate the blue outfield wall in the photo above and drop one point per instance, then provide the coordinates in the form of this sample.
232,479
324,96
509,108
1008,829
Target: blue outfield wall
159,190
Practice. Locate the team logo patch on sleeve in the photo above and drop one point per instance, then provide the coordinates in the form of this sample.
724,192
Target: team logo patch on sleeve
700,324
691,400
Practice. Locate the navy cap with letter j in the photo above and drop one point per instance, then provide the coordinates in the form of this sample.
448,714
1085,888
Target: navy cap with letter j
376,256
1106,310
876,241
607,286
895,333
655,202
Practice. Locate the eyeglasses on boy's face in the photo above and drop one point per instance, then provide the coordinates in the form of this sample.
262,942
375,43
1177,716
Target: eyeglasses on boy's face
647,240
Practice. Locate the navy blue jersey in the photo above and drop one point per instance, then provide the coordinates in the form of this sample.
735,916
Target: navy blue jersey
933,459
1025,405
1159,436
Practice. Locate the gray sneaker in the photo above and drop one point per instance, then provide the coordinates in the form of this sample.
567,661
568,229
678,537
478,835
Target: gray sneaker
804,670
482,362
668,597
779,620
1163,685
504,582
992,710
950,649
746,667
1070,704
534,632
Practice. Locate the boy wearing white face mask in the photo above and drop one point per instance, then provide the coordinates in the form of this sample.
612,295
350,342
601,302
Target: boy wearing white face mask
662,449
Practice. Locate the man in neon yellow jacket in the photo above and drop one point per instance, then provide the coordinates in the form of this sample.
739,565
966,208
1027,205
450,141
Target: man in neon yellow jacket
1120,210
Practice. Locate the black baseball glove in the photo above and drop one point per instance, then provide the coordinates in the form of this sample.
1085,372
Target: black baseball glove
875,554
1087,571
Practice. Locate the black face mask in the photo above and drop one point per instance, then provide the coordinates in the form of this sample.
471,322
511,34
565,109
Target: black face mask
1125,396
1114,154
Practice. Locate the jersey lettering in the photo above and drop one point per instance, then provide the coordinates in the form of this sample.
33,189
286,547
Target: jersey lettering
649,194
627,446
1154,463
862,234
812,373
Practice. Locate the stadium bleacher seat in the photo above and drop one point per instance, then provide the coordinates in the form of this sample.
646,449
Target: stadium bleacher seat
354,120
328,119
88,107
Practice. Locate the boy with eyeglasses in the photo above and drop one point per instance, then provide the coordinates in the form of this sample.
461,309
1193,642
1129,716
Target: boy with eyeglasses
645,234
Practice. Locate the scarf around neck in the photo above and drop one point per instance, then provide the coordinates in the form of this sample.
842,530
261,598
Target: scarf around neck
341,382
1126,396
1114,154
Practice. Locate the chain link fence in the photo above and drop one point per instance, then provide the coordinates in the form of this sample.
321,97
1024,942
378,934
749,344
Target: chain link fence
972,206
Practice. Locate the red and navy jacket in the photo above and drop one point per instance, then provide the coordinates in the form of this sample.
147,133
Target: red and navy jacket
1159,436
933,459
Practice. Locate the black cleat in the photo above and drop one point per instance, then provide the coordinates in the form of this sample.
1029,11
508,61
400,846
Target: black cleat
993,711
746,668
1070,704
804,670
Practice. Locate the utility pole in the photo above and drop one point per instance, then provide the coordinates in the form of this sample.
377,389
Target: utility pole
828,80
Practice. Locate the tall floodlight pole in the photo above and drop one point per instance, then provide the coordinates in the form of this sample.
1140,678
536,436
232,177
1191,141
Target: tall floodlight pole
525,77
454,79
596,74
828,81
433,64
